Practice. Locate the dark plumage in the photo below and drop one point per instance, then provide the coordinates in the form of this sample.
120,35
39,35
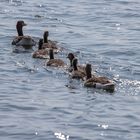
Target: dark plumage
49,44
71,57
98,82
26,41
54,62
41,53
77,73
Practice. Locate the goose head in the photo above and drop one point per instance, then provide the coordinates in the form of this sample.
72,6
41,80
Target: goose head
19,26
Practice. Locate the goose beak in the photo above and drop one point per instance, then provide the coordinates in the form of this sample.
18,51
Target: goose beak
24,24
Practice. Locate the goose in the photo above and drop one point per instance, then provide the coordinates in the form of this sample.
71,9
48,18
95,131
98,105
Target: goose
49,43
77,73
98,82
54,62
71,57
25,41
40,53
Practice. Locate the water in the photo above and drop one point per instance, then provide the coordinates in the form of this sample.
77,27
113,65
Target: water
41,104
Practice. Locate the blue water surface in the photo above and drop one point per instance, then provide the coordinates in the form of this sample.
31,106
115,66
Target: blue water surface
45,104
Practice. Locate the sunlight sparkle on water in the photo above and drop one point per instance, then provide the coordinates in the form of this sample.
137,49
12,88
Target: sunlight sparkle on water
61,136
105,126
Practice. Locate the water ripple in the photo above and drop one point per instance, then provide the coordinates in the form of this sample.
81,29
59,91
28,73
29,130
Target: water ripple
44,103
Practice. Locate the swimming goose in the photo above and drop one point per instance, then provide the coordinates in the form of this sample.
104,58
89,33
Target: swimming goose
77,73
54,62
49,43
71,57
40,53
26,41
98,82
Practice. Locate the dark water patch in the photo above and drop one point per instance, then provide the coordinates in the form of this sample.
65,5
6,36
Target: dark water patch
22,108
127,2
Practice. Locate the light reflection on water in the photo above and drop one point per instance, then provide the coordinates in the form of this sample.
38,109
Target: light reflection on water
61,136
